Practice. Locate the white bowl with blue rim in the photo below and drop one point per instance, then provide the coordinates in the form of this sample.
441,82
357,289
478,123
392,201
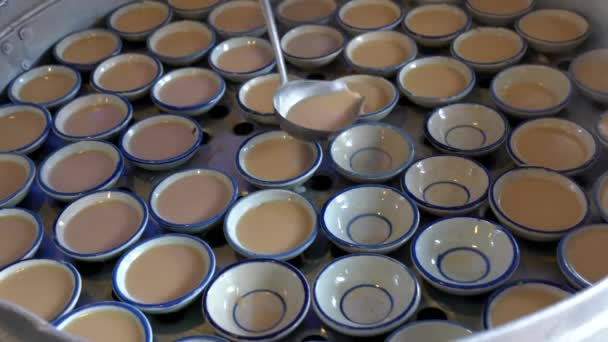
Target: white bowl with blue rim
125,310
377,84
201,338
176,27
429,330
232,43
552,46
231,189
51,161
591,57
191,110
32,218
435,41
248,289
87,201
162,164
257,115
30,170
134,6
468,129
15,87
497,19
553,80
253,200
465,255
493,66
463,69
121,269
231,5
600,196
369,218
190,10
315,61
74,37
447,185
8,110
131,94
372,152
576,277
397,10
532,233
345,290
293,22
290,183
75,106
392,37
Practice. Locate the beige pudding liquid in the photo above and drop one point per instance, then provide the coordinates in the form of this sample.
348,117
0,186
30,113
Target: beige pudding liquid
583,252
436,22
19,129
260,96
279,159
189,90
380,53
500,6
519,302
94,119
312,44
127,75
375,98
530,96
89,49
240,18
106,325
329,112
434,80
369,16
163,140
46,88
192,4
593,74
487,47
537,147
12,178
182,43
140,19
245,58
307,10
81,171
552,28
17,235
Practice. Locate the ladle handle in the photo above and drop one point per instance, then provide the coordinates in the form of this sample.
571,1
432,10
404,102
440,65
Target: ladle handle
274,39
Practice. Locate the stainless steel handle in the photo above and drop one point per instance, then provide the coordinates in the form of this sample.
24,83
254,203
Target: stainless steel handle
274,39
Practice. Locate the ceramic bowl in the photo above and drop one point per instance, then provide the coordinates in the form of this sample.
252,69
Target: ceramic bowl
446,185
575,276
30,169
532,233
191,110
377,83
67,41
262,117
355,30
176,27
494,66
369,218
431,102
601,129
371,152
599,56
315,61
290,183
87,201
298,6
17,85
131,94
549,78
552,46
242,206
162,164
31,217
344,289
197,227
491,253
134,6
232,43
600,196
229,5
497,19
393,37
435,41
10,109
66,112
253,287
188,11
430,330
201,338
122,267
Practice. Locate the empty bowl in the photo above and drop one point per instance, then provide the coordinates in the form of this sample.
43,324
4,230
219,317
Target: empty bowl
293,13
48,86
255,98
312,46
600,196
16,177
570,30
238,18
181,42
578,252
24,229
499,13
84,49
380,95
360,16
136,20
587,70
380,53
23,127
241,59
430,331
436,25
193,9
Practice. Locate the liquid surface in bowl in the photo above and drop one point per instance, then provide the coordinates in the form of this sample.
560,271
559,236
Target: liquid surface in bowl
46,88
240,18
434,81
19,129
593,74
17,235
380,53
89,49
307,10
259,96
12,177
279,159
487,47
94,119
583,251
500,7
182,43
165,273
329,112
520,301
127,75
162,140
193,199
140,19
369,16
101,227
106,325
436,21
550,27
245,58
553,148
375,97
189,90
529,96
257,228
193,4
44,290
312,44
81,171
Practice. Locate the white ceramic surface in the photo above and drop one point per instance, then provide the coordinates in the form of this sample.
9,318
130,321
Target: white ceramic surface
392,37
30,169
8,109
192,13
592,56
257,116
317,61
379,84
134,6
255,32
131,94
291,22
232,43
565,265
430,331
494,19
14,88
354,30
74,37
546,46
181,26
34,219
435,41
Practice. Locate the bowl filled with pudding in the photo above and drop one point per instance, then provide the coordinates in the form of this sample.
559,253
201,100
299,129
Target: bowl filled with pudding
188,91
380,96
23,127
430,330
17,173
589,72
556,144
553,30
292,13
371,152
192,201
360,16
250,224
130,75
436,25
537,203
380,53
578,253
312,46
136,20
94,116
499,12
192,9
181,42
48,86
436,81
274,159
255,97
201,338
21,232
601,129
238,18
161,142
241,59
164,274
369,218
101,225
600,196
84,49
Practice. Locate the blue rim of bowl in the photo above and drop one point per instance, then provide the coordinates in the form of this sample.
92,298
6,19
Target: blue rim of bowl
326,55
158,218
210,102
141,318
319,21
371,247
165,305
409,309
463,286
45,130
249,111
360,30
191,150
443,37
144,32
501,16
494,203
485,315
99,88
376,176
596,193
216,68
69,94
430,321
99,135
196,55
466,206
389,106
251,178
487,148
508,61
298,318
37,239
132,239
76,65
28,181
580,84
197,338
387,69
569,271
524,35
